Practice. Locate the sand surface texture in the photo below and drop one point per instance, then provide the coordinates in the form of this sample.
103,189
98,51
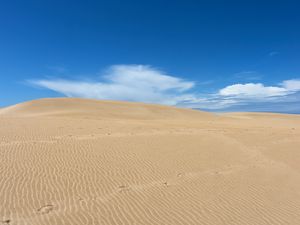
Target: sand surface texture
81,162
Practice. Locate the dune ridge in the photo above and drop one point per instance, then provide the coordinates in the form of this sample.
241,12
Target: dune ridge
70,161
97,109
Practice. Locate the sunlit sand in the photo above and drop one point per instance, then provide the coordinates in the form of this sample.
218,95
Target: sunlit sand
73,161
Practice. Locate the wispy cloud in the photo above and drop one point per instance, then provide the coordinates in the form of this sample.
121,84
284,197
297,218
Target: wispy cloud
125,82
247,75
58,69
142,83
273,53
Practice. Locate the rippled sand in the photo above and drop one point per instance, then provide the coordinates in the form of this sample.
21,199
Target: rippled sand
74,161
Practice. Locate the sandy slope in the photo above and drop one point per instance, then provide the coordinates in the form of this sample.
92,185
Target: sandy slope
72,161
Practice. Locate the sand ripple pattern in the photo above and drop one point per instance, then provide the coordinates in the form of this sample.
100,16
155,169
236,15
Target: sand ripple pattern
149,166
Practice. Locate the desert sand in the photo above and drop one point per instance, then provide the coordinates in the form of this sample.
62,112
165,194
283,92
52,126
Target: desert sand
71,161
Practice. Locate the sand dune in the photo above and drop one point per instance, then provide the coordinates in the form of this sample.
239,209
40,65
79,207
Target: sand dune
75,161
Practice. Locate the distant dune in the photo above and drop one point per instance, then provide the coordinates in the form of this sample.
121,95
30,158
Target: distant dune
74,161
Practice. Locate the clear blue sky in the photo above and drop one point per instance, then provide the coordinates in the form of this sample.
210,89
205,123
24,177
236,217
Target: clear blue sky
214,55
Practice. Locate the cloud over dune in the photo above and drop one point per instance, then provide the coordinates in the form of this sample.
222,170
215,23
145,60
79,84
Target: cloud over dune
125,82
142,83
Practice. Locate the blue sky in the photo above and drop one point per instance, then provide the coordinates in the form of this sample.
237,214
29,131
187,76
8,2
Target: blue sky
212,55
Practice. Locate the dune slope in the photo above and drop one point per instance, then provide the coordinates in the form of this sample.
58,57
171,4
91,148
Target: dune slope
75,161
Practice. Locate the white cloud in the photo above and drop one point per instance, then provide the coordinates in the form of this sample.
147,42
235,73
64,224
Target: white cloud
146,77
125,82
253,90
258,90
291,85
145,84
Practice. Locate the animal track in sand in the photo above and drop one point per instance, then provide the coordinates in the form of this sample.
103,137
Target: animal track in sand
45,209
6,221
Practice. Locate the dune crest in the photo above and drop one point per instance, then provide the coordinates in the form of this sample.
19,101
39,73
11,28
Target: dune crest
70,161
98,108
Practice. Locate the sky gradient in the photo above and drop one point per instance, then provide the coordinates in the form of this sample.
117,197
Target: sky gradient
211,55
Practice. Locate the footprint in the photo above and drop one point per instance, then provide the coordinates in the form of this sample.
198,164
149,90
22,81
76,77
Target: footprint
45,209
123,188
179,175
166,184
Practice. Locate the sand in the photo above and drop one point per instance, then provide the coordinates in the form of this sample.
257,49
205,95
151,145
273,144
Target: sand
73,161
